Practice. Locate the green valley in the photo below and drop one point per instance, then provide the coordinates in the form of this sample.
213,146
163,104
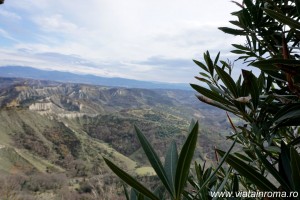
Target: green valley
53,135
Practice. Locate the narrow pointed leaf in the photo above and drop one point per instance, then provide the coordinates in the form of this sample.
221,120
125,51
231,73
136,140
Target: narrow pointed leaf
243,157
200,64
296,141
171,164
288,115
209,94
140,196
205,75
130,180
159,191
133,194
216,104
249,172
251,83
202,80
154,160
236,23
126,192
217,59
232,31
297,2
235,183
284,163
270,64
228,81
209,63
283,19
208,180
184,161
192,124
221,187
241,47
295,165
273,171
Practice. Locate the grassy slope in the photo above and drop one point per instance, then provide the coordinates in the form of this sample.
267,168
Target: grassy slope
96,148
91,148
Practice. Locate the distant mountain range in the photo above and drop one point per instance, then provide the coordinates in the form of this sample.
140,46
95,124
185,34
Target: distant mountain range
33,73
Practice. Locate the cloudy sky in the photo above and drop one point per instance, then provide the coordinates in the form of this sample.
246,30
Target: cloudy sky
146,40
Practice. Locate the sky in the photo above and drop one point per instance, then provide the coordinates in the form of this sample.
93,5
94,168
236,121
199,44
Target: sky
145,40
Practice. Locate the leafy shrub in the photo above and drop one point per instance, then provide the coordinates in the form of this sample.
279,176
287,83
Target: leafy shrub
43,182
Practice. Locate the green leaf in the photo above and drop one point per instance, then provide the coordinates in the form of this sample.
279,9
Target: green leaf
274,75
215,89
125,191
297,2
130,180
203,80
283,19
203,74
208,180
221,187
192,124
235,184
245,18
295,141
140,196
261,81
243,157
209,63
249,172
209,94
249,4
171,164
184,161
241,47
154,160
289,115
284,163
251,83
273,149
272,170
270,64
238,52
216,104
217,59
228,81
200,64
133,195
295,165
232,31
236,23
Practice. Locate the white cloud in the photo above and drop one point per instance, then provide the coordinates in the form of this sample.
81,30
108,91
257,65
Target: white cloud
55,23
6,35
119,37
9,15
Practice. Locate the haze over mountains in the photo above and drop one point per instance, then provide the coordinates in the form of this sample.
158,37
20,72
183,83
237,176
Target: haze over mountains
33,73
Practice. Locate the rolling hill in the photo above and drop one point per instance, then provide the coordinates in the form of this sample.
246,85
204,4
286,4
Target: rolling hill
50,127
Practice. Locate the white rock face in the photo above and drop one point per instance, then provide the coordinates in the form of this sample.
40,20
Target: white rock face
41,106
71,115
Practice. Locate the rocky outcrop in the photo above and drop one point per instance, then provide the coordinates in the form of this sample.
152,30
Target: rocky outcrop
41,106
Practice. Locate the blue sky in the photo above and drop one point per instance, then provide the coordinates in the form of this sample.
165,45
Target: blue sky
138,39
